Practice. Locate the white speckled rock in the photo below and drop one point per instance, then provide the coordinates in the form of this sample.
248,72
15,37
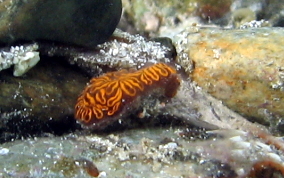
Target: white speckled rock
152,152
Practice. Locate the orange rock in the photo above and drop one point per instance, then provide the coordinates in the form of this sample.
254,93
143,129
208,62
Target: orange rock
243,68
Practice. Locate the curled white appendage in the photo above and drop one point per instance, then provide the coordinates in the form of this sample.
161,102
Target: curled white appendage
22,57
26,63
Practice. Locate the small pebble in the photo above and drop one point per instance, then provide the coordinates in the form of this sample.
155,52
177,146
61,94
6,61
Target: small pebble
4,151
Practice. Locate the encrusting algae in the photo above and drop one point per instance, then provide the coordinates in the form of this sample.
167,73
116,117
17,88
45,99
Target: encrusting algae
107,97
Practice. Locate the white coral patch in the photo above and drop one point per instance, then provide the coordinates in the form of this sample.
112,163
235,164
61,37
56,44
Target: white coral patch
22,57
26,63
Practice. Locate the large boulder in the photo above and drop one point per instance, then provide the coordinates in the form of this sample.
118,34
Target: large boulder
76,22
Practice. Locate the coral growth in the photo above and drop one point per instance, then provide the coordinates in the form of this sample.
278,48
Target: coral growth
22,57
109,95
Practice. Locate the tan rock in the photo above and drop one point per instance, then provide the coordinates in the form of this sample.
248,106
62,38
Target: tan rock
243,68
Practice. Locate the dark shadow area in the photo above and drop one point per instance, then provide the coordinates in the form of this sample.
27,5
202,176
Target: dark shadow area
41,102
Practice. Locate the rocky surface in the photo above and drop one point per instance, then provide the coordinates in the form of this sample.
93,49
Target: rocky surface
40,101
150,152
43,99
242,68
271,11
124,51
165,18
49,109
191,135
73,22
193,54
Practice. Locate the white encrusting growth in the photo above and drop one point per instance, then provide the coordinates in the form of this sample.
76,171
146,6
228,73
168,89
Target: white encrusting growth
22,57
136,51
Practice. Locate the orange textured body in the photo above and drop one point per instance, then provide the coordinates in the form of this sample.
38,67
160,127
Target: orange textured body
106,96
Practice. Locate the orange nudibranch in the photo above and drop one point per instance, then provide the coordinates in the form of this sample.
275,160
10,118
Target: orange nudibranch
107,96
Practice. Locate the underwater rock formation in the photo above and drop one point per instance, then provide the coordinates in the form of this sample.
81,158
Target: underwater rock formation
242,68
84,23
40,101
270,11
191,105
152,152
43,99
124,51
191,134
213,9
167,18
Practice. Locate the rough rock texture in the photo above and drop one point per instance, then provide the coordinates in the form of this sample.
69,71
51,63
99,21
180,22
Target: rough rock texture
167,18
272,10
134,52
40,101
149,16
43,99
54,101
242,68
124,51
165,152
164,140
74,22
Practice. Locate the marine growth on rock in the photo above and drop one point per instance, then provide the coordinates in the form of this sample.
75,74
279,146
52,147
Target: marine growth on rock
23,58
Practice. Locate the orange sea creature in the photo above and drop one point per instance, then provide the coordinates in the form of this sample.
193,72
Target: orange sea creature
108,97
266,168
88,166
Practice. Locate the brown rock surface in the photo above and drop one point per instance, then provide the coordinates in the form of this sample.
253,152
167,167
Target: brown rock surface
243,68
40,101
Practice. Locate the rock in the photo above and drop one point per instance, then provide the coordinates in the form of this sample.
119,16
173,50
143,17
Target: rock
166,141
214,9
151,152
168,18
124,51
149,16
264,10
242,68
133,52
73,22
41,101
241,16
31,110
